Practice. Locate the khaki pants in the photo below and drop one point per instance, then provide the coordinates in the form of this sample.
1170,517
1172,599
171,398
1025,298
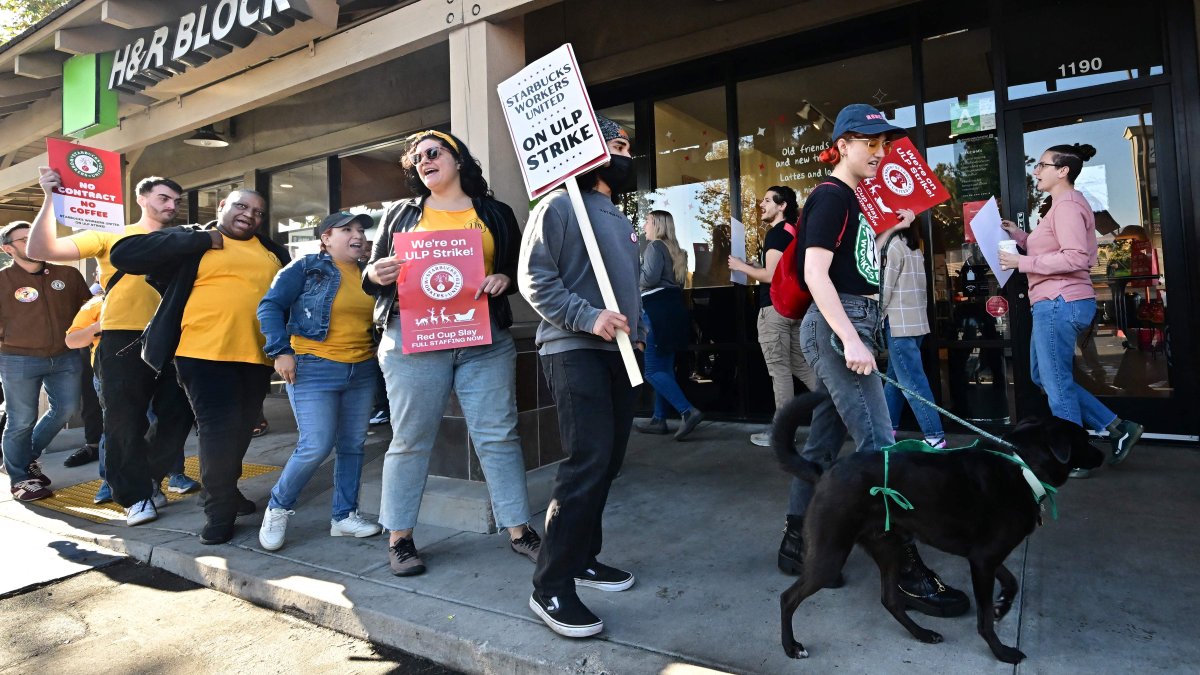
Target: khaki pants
779,338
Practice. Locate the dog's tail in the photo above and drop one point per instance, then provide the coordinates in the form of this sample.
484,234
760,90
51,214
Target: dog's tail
783,436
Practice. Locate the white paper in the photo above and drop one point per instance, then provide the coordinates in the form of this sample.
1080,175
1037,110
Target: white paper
737,245
988,235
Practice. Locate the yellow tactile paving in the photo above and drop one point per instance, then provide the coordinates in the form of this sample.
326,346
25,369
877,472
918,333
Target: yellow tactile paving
76,500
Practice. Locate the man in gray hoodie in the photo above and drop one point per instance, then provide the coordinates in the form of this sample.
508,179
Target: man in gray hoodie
577,348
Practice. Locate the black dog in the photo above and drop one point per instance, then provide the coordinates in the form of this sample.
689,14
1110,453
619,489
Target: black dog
968,502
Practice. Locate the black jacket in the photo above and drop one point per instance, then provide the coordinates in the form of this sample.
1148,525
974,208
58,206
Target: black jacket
403,216
170,259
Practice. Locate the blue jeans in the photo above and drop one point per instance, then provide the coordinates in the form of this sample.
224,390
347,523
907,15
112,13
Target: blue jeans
332,403
904,366
1056,325
26,436
418,388
855,404
660,373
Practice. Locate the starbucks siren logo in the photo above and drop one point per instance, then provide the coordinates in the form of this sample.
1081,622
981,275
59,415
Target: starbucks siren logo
85,163
866,257
441,281
898,180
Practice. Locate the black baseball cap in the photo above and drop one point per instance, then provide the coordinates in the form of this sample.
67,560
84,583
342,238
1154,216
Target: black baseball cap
861,118
341,219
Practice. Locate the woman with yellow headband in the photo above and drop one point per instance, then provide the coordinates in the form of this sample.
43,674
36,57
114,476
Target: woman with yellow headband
452,195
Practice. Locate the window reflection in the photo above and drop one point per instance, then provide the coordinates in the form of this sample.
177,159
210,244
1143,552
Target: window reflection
372,179
786,120
299,199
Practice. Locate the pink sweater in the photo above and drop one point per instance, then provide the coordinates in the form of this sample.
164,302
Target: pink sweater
1061,251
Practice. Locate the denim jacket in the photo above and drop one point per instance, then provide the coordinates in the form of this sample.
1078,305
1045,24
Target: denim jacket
302,297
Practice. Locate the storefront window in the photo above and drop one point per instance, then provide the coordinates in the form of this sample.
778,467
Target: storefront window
786,120
1055,45
208,198
372,179
691,166
961,137
299,199
1125,352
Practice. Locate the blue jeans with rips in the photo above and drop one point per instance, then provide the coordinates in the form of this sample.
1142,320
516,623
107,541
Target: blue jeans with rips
904,366
26,436
856,403
418,388
332,402
1056,325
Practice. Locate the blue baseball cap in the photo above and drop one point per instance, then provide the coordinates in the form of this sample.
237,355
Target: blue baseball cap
861,118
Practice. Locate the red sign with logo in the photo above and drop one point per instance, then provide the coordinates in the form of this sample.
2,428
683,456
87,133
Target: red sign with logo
90,195
970,210
904,181
997,306
436,288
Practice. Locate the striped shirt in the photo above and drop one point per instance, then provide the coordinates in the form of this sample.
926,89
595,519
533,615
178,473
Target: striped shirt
903,294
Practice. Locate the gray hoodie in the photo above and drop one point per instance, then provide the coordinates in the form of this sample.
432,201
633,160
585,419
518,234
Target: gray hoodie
556,276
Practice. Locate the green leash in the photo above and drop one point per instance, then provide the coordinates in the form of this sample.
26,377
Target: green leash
1041,491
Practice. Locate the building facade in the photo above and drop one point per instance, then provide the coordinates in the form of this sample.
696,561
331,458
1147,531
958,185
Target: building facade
725,99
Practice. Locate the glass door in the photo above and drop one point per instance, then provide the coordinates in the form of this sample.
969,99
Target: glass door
1128,357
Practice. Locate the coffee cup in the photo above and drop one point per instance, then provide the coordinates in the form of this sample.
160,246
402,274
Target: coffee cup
1008,246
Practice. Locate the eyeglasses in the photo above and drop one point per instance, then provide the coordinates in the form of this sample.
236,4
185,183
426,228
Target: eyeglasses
10,242
257,213
874,143
1041,165
431,153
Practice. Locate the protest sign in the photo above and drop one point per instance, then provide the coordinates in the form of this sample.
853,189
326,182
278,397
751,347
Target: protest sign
90,196
440,273
904,181
985,225
551,121
737,243
557,137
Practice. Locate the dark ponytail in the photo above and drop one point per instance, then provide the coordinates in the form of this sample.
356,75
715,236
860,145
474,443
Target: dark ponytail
1072,156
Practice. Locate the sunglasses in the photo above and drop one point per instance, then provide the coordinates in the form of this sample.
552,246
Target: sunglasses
430,153
874,143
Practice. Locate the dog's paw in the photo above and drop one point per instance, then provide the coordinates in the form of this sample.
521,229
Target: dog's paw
796,651
929,637
1009,654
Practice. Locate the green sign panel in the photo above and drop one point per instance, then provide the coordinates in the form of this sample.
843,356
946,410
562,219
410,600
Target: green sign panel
89,106
968,117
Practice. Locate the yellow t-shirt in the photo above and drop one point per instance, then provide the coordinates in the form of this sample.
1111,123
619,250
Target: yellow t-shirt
220,321
349,337
86,316
433,220
132,302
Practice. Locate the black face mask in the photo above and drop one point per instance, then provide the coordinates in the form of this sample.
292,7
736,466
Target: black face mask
617,173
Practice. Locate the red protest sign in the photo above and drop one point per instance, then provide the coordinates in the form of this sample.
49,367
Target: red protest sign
442,270
90,195
970,209
904,181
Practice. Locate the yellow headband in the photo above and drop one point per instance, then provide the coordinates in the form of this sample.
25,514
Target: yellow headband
442,135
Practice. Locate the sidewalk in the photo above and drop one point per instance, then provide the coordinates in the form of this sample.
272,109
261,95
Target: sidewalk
1109,587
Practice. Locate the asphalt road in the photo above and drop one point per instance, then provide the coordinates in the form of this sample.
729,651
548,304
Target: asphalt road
109,614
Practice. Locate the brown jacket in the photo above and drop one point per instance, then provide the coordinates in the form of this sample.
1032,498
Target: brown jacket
36,309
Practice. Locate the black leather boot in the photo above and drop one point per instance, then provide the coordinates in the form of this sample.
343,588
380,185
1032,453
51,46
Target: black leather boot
923,591
791,551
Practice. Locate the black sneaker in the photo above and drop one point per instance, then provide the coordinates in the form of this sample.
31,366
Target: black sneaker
245,506
528,545
84,455
566,616
604,578
217,532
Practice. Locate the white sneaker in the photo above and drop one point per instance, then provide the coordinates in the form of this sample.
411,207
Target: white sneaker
353,525
274,528
141,512
762,438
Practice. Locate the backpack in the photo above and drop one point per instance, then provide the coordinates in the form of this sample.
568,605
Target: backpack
789,295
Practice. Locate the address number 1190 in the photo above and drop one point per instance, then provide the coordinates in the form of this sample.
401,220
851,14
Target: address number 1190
1081,67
